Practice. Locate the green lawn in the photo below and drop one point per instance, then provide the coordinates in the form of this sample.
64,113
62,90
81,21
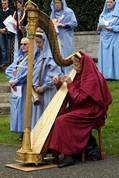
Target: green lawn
6,136
3,78
110,131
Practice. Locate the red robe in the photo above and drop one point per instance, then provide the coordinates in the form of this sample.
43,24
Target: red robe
89,101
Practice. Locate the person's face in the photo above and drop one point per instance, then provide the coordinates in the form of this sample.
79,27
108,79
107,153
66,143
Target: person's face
58,6
4,4
77,65
19,5
110,4
24,45
39,42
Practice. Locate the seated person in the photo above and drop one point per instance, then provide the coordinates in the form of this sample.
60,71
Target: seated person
89,98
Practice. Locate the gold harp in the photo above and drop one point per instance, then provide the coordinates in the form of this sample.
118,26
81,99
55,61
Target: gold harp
34,145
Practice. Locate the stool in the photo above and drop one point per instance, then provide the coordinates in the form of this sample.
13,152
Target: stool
101,151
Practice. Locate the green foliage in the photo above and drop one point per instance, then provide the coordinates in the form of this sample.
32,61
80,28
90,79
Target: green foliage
87,12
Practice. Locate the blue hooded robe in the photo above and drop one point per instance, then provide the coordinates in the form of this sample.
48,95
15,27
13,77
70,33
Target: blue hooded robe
49,70
18,103
65,34
108,60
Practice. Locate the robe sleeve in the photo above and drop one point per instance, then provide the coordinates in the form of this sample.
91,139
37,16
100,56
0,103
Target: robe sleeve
52,70
78,96
21,76
115,28
72,23
9,71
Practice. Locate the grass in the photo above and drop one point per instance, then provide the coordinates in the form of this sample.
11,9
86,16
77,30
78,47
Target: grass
3,78
6,136
110,131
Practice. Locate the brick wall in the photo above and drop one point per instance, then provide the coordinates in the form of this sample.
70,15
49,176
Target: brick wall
87,41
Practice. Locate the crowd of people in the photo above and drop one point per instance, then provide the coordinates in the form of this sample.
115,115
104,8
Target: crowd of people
85,109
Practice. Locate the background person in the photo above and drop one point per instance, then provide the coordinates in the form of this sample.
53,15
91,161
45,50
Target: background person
108,26
17,75
20,17
65,21
44,70
5,37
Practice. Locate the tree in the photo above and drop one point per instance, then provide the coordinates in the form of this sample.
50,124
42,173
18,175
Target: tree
86,11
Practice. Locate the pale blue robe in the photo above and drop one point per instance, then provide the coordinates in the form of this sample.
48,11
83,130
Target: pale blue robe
18,103
49,70
65,34
108,59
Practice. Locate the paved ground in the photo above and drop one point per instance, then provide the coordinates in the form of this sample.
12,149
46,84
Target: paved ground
108,168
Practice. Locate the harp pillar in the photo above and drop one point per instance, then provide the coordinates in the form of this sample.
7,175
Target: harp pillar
25,153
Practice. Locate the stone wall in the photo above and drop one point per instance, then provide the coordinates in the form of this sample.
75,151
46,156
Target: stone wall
87,41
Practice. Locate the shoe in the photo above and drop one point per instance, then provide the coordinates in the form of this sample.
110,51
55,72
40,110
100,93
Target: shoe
20,137
67,161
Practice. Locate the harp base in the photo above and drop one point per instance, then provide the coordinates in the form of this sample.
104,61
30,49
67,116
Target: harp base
28,157
30,167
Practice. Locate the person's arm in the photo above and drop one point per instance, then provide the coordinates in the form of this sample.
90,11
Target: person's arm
78,96
52,70
9,71
115,28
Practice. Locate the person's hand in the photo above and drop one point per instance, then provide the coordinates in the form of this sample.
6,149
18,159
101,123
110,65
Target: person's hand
99,28
3,30
12,84
15,26
67,79
39,90
55,21
56,80
108,28
61,25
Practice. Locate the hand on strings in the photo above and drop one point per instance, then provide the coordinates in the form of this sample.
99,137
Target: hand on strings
57,81
67,79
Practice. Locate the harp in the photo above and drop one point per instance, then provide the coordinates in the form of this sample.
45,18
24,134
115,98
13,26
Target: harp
34,144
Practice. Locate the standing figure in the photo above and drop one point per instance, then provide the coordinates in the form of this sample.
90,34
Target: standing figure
89,98
5,36
65,22
108,26
17,75
44,70
20,17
